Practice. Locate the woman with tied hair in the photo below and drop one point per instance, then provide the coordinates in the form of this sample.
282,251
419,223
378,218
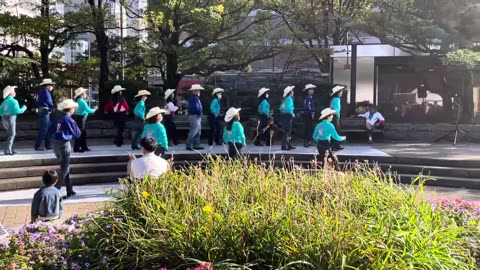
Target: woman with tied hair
233,133
171,108
323,135
287,109
118,107
336,105
263,116
214,118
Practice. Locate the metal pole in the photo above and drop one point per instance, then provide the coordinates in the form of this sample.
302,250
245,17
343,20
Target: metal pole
122,74
353,77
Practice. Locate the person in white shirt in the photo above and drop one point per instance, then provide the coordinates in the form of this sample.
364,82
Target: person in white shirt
373,120
171,109
150,164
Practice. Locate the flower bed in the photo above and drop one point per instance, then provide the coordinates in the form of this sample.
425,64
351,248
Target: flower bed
242,215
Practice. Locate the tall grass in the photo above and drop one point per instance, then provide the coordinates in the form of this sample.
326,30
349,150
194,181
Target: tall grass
238,214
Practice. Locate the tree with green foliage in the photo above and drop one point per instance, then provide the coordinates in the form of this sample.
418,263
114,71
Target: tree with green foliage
186,37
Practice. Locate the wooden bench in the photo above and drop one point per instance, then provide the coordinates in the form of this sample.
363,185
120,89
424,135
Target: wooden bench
356,125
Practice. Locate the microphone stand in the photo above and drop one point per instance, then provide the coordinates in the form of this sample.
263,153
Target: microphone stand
457,129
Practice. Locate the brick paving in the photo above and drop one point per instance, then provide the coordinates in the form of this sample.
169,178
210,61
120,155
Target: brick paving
14,217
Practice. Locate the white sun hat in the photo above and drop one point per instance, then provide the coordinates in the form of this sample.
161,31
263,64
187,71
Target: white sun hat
287,90
262,91
117,88
309,86
337,89
168,93
154,111
231,114
326,112
143,93
67,104
8,90
79,91
217,90
196,87
47,82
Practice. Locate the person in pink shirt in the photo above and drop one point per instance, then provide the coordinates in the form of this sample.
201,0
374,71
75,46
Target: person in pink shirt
118,107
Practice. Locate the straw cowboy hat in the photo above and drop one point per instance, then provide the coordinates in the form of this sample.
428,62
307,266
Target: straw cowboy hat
168,93
154,111
8,90
217,90
143,93
309,86
262,91
337,89
231,113
287,90
327,112
117,88
47,82
80,91
67,104
196,87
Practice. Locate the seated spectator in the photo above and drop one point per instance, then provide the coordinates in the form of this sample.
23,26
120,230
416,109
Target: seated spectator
47,201
149,164
374,120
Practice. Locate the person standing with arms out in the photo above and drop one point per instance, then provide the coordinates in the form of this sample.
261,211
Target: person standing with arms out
155,129
171,108
44,104
64,129
139,113
80,117
195,112
214,118
336,105
323,135
308,113
233,133
287,109
119,108
263,115
9,109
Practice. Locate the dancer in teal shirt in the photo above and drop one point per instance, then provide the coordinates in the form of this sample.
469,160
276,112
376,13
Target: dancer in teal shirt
214,118
233,133
9,109
264,113
139,113
155,129
287,109
336,105
80,116
323,135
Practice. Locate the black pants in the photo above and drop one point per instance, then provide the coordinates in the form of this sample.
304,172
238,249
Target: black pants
286,125
171,129
325,152
308,122
234,150
336,122
215,123
263,135
119,123
160,151
80,144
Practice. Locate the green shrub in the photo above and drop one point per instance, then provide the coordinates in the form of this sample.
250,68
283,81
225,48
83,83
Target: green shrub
244,215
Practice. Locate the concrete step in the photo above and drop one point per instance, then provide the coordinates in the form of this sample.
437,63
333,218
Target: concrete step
443,181
77,179
37,171
433,170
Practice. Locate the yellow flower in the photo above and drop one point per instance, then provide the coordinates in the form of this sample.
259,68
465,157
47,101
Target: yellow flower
145,194
208,209
220,9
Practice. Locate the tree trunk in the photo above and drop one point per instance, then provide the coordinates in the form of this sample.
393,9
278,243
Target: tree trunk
173,77
103,48
44,40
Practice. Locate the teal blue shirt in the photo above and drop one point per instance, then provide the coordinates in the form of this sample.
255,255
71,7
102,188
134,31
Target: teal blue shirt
236,135
264,108
336,105
325,131
215,106
10,107
158,132
287,106
83,108
140,110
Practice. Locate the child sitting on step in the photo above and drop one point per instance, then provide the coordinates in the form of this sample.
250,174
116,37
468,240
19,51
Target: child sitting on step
47,201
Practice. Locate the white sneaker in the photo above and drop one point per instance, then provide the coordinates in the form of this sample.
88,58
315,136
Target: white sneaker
370,140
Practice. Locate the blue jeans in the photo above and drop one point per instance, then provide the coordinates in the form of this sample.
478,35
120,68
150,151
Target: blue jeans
9,122
43,123
62,151
137,132
195,131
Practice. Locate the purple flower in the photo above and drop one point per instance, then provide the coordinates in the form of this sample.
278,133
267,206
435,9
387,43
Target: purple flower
118,219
